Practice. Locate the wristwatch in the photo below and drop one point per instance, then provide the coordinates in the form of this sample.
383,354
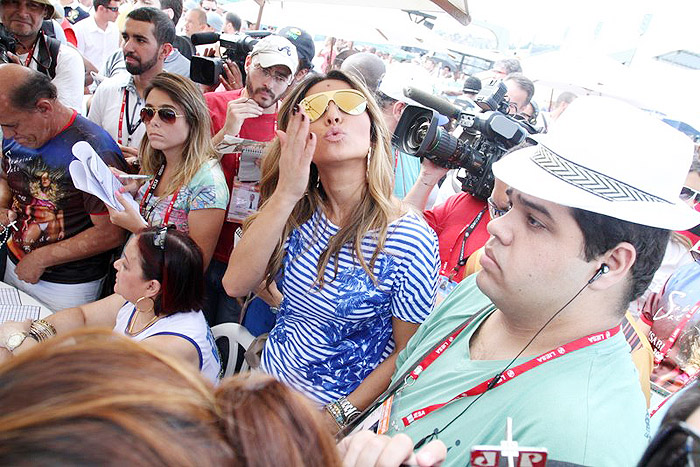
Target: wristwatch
15,340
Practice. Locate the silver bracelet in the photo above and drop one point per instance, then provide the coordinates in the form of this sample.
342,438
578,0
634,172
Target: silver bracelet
350,412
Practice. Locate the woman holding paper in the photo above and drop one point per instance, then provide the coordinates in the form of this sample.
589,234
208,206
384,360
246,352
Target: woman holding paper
187,187
157,299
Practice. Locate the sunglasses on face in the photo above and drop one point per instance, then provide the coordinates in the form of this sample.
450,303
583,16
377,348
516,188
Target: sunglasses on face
688,194
494,211
166,115
113,9
350,101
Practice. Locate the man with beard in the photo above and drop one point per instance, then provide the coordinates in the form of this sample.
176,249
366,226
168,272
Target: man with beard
249,113
148,35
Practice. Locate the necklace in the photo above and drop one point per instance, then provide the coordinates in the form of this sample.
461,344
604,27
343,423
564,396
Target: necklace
132,321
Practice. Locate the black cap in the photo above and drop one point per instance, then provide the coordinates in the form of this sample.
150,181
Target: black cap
472,85
302,41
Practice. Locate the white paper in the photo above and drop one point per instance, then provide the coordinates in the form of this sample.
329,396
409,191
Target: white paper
91,174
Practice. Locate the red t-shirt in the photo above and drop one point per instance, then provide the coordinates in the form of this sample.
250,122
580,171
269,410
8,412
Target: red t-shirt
260,128
449,221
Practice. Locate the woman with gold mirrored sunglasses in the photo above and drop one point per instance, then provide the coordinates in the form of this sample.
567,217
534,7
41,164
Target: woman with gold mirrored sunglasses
358,270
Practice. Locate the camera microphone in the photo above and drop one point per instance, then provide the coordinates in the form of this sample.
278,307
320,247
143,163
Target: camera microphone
439,104
200,38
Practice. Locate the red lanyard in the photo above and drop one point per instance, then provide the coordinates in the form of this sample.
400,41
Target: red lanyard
31,53
465,234
663,351
508,375
130,127
148,195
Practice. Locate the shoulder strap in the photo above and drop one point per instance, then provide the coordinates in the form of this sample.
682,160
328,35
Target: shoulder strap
48,55
399,381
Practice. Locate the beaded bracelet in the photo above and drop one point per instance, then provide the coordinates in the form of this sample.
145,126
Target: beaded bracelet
336,412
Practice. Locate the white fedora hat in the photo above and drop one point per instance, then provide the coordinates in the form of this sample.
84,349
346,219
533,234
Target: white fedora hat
608,157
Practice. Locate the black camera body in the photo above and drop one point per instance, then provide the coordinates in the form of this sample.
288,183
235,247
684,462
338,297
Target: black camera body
206,70
7,44
487,133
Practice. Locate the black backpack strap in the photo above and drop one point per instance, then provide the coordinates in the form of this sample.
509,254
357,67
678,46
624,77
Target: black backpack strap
48,55
400,381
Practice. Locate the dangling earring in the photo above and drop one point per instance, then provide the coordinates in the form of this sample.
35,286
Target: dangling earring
151,308
369,159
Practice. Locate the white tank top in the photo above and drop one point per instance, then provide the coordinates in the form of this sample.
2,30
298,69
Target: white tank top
189,325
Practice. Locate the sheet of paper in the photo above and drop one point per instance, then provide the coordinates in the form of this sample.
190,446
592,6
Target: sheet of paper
18,312
9,296
91,174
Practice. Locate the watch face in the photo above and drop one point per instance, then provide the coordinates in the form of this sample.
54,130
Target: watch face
15,340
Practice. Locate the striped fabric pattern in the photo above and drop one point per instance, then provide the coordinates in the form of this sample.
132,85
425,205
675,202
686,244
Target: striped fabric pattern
325,342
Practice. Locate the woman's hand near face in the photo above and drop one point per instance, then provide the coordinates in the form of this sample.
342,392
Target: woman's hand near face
297,146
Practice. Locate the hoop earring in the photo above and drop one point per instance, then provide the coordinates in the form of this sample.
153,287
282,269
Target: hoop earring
152,307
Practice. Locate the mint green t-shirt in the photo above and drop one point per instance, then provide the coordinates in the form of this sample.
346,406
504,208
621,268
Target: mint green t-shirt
585,407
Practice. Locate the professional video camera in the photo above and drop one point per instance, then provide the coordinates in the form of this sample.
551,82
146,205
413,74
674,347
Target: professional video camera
206,70
487,133
7,44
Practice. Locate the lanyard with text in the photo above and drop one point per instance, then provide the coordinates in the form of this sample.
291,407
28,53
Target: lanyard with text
148,195
663,351
465,233
130,126
31,53
508,375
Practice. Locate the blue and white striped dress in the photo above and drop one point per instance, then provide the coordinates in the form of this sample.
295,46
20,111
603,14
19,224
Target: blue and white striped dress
325,342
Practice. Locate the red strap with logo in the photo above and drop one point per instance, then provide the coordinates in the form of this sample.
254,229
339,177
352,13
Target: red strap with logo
508,375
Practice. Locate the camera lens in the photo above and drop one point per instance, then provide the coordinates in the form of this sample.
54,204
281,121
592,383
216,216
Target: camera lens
416,133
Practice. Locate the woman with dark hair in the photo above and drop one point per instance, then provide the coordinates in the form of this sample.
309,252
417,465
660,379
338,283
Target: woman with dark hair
157,299
359,269
187,187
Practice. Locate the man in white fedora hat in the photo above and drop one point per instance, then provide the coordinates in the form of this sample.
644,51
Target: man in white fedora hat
535,335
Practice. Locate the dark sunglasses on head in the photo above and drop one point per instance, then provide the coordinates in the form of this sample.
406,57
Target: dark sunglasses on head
166,114
350,101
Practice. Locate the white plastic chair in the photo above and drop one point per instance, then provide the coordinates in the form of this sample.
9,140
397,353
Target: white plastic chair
238,337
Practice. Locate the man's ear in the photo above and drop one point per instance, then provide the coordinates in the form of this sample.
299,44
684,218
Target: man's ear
397,109
169,12
248,62
619,260
45,106
165,50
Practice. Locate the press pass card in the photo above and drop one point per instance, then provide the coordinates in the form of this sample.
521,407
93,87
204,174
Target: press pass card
245,198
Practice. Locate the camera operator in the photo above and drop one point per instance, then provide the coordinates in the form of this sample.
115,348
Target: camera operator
62,63
249,113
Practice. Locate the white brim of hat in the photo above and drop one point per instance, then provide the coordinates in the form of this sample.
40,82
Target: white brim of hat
267,60
520,172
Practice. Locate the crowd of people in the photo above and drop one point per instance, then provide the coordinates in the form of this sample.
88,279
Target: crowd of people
386,295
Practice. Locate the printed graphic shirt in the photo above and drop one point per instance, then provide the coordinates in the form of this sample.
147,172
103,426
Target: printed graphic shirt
674,310
325,342
48,206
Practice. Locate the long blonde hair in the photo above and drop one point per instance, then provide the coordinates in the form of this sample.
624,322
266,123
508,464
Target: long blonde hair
376,208
198,147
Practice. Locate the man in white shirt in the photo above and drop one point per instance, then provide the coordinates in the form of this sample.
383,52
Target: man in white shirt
62,63
98,36
148,35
